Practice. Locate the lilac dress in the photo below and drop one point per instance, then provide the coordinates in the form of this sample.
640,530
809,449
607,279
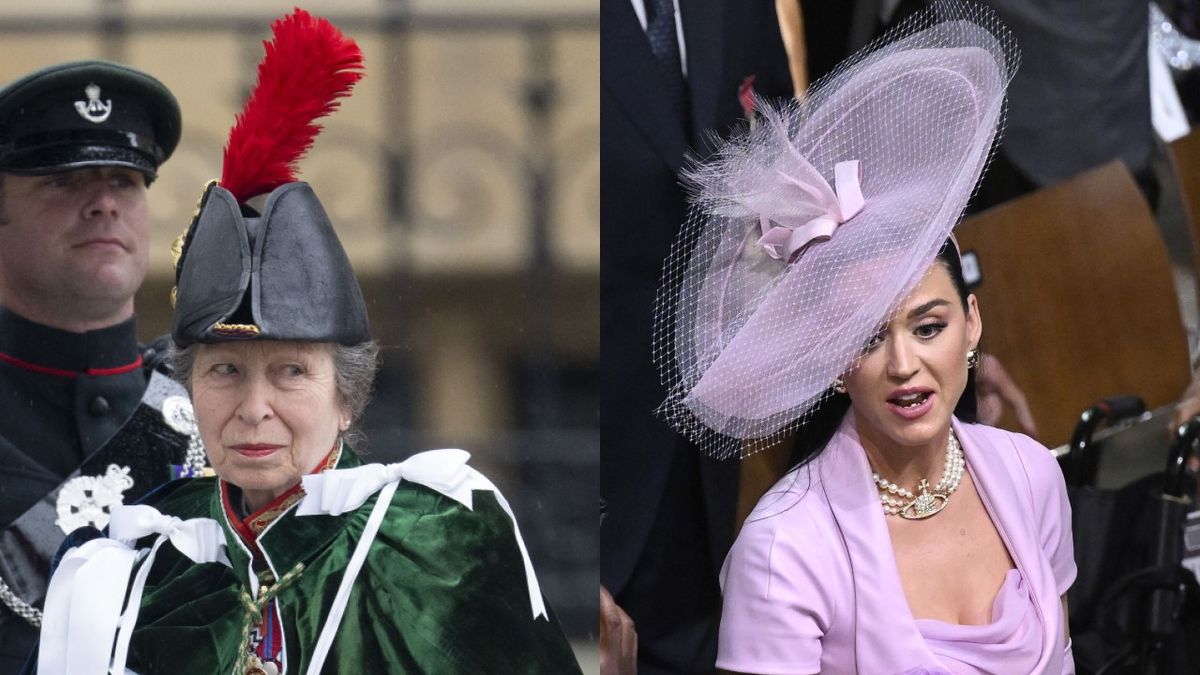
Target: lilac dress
811,585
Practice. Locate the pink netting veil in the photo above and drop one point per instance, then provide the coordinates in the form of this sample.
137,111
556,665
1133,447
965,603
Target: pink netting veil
809,228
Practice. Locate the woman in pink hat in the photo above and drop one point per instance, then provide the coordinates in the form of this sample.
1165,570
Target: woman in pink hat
815,293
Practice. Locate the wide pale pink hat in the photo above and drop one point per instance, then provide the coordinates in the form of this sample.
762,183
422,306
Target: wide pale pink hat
810,227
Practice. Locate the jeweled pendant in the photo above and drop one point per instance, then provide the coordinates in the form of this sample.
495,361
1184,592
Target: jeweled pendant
256,666
925,505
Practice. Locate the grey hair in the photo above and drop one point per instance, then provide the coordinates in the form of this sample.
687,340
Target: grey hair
354,371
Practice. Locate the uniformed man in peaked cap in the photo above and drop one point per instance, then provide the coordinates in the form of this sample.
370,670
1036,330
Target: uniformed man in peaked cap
86,420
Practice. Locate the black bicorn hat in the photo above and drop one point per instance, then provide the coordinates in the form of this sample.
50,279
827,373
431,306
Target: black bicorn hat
281,274
85,114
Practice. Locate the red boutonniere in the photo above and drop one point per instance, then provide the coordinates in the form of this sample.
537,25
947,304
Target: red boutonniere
746,98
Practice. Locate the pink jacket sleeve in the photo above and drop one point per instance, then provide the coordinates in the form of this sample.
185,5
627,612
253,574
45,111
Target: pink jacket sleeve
1052,509
781,584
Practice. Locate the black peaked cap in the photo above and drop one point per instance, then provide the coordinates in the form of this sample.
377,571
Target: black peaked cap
87,113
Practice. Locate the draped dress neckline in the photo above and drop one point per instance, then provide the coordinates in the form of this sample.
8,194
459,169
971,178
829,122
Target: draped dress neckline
895,637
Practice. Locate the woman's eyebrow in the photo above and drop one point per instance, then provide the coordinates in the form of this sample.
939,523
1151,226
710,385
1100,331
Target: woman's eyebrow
926,307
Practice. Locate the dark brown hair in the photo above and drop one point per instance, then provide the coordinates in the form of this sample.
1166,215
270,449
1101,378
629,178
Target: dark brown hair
812,437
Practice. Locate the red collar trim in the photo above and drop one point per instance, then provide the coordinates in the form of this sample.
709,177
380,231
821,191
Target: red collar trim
60,372
253,525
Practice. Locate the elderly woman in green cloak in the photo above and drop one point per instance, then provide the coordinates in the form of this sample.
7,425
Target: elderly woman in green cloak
295,557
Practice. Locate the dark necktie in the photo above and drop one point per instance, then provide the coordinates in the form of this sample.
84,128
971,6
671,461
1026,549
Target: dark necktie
664,43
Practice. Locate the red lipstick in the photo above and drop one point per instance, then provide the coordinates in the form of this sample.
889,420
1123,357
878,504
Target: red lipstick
255,449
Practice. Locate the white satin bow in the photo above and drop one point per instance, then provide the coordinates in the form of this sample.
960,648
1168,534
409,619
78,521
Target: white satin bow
200,539
338,491
446,471
83,603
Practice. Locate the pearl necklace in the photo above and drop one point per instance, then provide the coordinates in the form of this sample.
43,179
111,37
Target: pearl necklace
898,501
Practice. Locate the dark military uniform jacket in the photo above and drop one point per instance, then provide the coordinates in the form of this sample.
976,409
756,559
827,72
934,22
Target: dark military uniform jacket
81,427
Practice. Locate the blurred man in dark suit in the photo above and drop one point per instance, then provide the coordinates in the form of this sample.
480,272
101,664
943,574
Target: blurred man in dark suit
670,74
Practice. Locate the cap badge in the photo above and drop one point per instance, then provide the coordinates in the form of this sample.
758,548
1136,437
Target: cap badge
93,110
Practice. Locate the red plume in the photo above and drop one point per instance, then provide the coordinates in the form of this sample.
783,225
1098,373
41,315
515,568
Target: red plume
308,65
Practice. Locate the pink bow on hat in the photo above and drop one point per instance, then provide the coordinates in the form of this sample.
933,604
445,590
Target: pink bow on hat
791,234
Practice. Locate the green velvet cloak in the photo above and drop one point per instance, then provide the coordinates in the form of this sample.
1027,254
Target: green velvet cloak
443,590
